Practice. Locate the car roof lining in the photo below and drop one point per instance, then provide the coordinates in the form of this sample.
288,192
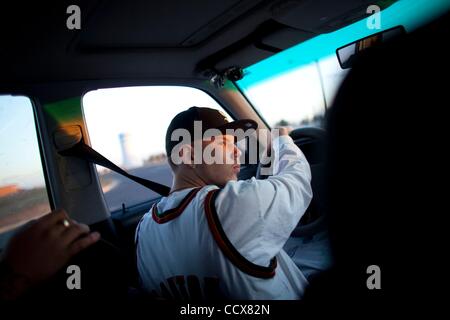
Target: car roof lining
186,39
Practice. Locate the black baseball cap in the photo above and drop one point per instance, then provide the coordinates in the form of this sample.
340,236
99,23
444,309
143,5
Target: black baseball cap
210,118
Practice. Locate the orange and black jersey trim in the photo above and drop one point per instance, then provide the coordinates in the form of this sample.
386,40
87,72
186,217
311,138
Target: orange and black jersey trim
227,247
171,214
218,234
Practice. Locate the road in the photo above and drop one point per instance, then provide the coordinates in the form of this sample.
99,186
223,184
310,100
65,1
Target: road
120,189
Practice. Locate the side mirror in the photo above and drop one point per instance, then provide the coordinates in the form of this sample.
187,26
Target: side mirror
347,53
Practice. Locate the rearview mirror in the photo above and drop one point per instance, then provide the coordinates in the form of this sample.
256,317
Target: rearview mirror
347,53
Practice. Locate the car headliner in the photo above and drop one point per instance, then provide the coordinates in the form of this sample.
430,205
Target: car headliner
148,39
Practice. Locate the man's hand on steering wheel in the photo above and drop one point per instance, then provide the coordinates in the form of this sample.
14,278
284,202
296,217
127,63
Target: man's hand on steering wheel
276,132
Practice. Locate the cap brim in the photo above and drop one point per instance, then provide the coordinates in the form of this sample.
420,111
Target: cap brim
244,124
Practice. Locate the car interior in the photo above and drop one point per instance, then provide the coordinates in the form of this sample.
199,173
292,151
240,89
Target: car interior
144,44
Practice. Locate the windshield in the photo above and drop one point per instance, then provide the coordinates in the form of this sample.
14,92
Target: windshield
295,86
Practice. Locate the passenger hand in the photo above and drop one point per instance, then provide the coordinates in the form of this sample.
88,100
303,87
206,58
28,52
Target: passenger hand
41,250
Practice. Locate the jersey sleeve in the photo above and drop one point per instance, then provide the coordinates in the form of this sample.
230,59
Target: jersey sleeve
259,215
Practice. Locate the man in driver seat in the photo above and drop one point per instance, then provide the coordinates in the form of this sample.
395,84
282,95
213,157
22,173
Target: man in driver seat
214,236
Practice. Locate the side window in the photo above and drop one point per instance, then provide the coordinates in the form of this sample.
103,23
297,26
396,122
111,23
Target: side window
23,195
128,126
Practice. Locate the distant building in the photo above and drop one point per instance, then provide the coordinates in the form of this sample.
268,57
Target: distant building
8,190
129,159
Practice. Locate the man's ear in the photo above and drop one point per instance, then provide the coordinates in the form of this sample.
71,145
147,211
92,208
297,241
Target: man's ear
187,155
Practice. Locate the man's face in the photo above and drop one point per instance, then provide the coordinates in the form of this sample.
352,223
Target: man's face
222,151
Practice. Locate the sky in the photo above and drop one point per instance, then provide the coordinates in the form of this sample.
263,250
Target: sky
297,95
19,151
143,113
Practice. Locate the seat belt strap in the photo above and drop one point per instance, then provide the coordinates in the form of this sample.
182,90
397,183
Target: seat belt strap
83,151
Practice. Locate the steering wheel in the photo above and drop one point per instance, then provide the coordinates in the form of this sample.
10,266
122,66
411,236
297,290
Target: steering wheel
311,140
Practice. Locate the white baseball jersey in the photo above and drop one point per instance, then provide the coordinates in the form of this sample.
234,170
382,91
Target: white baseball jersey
211,242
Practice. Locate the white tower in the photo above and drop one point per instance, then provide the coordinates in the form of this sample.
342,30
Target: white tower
129,160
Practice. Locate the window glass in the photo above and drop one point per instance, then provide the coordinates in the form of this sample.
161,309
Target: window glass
23,194
128,126
293,86
297,97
